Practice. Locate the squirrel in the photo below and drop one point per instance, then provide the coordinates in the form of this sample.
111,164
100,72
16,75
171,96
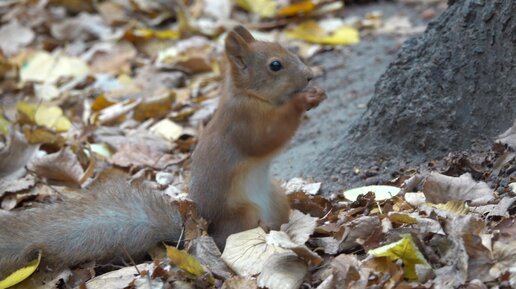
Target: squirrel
264,96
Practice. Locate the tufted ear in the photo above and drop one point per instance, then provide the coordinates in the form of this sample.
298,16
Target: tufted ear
244,33
237,48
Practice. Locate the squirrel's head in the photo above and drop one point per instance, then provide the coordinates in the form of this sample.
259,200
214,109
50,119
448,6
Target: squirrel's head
264,69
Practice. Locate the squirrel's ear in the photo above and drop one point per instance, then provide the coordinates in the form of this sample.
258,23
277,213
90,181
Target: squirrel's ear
237,49
244,33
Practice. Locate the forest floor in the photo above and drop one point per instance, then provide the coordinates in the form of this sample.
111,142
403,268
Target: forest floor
90,85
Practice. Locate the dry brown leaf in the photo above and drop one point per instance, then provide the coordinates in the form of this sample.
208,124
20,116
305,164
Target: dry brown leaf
82,27
143,155
16,185
62,166
299,227
109,57
347,272
500,210
15,155
479,258
439,188
316,206
283,271
205,249
505,260
238,282
282,240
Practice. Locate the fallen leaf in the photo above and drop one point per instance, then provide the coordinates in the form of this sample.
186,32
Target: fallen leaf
347,272
311,31
401,219
84,27
167,129
205,249
380,192
454,207
120,278
247,252
299,227
239,282
406,250
47,68
316,206
499,210
62,166
49,116
185,261
21,274
296,8
15,155
504,255
264,8
110,57
295,185
143,155
16,185
415,199
13,37
508,137
282,240
439,188
282,271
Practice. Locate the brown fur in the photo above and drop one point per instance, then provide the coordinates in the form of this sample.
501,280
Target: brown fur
112,219
259,113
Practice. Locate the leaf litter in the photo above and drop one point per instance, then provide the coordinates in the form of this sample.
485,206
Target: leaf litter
88,85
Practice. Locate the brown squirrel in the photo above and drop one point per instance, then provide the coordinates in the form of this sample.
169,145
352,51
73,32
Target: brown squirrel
265,94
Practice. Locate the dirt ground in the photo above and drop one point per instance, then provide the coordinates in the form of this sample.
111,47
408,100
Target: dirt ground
349,79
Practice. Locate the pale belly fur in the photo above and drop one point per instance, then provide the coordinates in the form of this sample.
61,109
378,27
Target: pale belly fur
258,189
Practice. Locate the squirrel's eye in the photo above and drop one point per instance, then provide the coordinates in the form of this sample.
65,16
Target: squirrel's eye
275,65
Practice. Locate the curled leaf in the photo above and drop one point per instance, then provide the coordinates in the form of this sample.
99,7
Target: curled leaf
21,274
404,249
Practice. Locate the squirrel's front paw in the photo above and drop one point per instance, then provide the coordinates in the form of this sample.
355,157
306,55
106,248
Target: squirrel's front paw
311,96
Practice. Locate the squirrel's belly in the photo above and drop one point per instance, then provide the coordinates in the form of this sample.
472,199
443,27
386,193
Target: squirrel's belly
258,188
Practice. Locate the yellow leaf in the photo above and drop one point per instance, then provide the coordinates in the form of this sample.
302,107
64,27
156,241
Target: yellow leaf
297,8
4,124
455,207
26,110
101,149
52,117
402,219
149,33
21,274
100,103
264,8
404,249
48,68
311,31
185,261
48,116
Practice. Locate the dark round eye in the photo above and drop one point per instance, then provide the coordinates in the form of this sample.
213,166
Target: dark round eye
275,65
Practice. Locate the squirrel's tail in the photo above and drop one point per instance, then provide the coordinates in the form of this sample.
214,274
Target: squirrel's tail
111,219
